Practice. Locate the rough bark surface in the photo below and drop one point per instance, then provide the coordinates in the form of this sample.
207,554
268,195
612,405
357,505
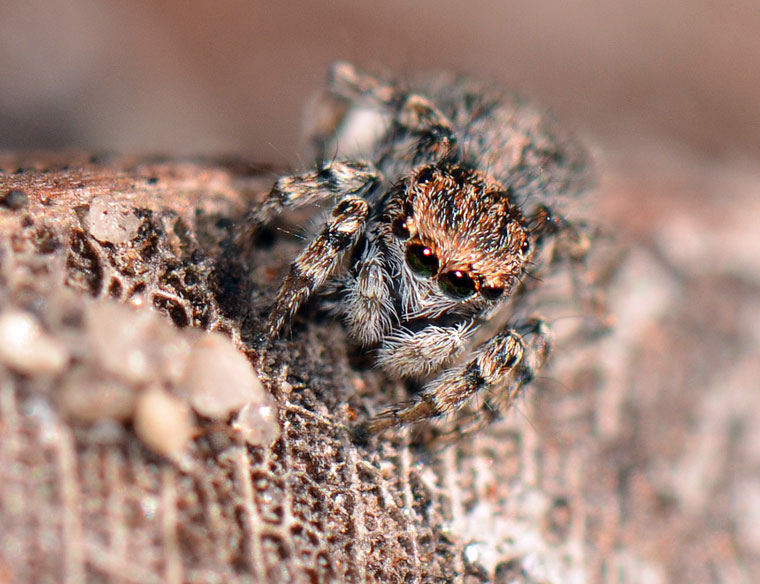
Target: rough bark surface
635,459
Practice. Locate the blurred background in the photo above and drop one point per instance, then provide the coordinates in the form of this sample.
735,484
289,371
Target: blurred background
232,76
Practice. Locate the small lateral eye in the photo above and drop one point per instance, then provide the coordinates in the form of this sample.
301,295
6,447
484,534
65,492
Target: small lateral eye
525,247
546,214
457,284
399,228
426,175
546,221
422,260
491,292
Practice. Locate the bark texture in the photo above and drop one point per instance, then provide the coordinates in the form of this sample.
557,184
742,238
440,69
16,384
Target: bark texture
635,459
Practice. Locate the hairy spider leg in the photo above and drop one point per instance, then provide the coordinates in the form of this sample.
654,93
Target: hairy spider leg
501,366
319,260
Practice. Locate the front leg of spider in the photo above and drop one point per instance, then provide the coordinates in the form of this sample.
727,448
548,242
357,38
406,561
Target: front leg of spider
344,179
319,261
497,371
330,180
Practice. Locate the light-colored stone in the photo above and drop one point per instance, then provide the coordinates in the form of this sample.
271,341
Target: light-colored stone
163,422
258,423
111,221
25,347
86,398
136,346
219,380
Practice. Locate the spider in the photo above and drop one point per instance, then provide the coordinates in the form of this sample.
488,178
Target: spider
445,199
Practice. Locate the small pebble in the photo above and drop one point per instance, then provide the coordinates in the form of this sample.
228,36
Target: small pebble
86,398
258,423
219,380
26,348
111,221
163,422
14,199
136,345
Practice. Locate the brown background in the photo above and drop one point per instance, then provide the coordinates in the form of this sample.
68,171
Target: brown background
198,77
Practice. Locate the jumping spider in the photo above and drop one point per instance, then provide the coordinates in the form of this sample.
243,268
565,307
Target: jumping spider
434,227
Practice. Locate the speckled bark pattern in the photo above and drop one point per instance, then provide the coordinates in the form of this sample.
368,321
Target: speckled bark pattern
635,459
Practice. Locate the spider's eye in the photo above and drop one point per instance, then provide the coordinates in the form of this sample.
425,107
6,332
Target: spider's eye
491,292
426,175
422,260
546,221
525,247
399,228
457,284
544,214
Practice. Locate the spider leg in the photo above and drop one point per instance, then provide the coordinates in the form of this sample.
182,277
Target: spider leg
423,134
331,179
420,132
501,367
413,111
368,307
572,242
417,354
319,260
351,83
468,421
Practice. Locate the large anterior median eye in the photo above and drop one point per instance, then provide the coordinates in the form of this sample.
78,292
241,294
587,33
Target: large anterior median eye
422,260
457,284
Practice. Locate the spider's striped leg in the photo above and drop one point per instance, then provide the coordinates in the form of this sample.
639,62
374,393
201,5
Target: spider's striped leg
333,179
319,260
422,134
500,367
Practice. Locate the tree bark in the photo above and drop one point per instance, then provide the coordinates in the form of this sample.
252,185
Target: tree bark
635,458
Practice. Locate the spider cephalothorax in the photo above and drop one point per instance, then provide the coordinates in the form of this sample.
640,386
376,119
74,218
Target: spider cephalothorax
433,229
456,227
